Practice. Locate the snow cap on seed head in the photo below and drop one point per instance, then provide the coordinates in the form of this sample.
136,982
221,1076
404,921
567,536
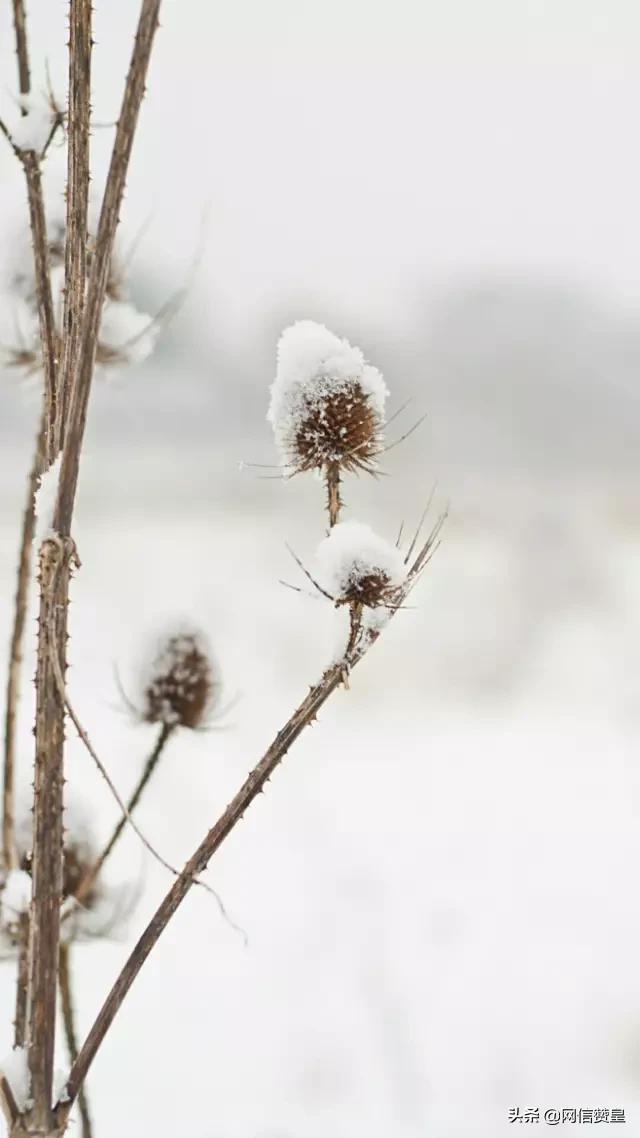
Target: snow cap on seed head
356,566
327,403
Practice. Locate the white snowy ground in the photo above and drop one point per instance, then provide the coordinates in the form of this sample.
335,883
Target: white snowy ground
440,885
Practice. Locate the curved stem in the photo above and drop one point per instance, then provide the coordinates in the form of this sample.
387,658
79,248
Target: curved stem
69,1023
89,879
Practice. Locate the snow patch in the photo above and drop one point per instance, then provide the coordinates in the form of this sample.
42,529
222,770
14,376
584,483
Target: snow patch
15,1068
126,332
31,131
45,502
15,897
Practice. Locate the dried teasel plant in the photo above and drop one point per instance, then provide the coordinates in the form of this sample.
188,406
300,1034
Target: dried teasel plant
327,410
327,407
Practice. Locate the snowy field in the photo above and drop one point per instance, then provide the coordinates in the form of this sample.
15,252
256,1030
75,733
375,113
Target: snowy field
438,886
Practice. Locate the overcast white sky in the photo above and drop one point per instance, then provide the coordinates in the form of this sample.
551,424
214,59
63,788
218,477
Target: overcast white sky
352,148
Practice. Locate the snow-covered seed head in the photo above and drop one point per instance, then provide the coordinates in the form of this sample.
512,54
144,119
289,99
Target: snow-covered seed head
327,404
355,566
182,683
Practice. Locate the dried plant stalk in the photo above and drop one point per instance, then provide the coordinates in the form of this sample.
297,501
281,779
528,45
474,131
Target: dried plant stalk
56,559
69,1024
58,556
47,873
21,602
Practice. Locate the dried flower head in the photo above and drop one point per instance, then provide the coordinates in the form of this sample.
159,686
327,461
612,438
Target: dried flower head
356,567
181,685
99,910
127,335
327,404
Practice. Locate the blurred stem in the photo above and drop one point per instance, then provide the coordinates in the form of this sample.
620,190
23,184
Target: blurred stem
88,881
68,1020
9,855
334,502
22,980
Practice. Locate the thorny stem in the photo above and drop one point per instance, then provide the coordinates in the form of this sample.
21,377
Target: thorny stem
101,260
55,567
69,1024
87,882
9,855
334,502
56,560
78,176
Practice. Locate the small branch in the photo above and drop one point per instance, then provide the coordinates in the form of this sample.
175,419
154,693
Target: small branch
127,818
334,503
149,767
22,981
9,855
68,1020
44,298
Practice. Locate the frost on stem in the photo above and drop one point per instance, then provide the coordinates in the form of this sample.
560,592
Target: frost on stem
355,566
45,503
127,335
181,684
327,404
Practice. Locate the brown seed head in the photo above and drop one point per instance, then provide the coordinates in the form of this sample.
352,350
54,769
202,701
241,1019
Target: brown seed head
181,688
342,427
369,588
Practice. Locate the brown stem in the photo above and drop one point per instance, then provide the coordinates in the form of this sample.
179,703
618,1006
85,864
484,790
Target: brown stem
44,298
56,559
101,259
334,502
9,855
88,881
68,1020
55,562
22,981
22,51
78,177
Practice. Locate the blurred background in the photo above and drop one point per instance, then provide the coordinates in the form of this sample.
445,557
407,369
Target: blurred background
439,887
